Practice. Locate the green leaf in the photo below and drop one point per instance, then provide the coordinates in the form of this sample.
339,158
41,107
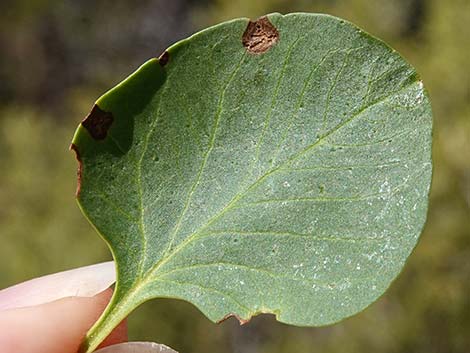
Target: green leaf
278,166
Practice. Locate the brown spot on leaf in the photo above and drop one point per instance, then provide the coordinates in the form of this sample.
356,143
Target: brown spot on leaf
259,36
74,148
98,123
163,59
240,320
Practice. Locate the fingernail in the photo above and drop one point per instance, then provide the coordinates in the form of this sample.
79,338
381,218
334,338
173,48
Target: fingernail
80,282
137,347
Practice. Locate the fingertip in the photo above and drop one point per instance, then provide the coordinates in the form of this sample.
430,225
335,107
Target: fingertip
80,282
137,347
56,327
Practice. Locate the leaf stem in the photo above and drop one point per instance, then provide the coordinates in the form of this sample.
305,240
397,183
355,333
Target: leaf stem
116,311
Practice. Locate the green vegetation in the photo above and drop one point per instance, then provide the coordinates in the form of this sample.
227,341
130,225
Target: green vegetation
42,230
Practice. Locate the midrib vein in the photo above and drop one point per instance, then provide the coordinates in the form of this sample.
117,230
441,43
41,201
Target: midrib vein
236,198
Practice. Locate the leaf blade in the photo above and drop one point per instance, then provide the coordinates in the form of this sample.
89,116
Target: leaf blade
262,175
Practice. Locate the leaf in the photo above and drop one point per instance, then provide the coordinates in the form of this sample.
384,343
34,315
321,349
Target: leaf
278,166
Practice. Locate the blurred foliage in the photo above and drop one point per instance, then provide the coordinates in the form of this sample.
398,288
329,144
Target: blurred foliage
42,229
56,57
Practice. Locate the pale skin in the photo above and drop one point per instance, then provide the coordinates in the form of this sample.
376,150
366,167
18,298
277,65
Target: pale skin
55,327
52,314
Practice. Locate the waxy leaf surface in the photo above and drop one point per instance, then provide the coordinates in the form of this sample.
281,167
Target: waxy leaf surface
280,166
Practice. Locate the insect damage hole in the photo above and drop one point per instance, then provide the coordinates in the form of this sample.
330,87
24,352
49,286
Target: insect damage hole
74,148
163,59
259,36
98,123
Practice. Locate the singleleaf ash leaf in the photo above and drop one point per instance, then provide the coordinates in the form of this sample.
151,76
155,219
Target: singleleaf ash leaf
273,166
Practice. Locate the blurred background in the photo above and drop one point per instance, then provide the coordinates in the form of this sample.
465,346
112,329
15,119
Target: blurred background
57,57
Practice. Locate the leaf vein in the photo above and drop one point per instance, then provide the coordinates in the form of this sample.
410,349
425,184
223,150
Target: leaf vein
332,88
238,196
269,273
209,289
292,234
139,182
206,156
299,102
273,101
